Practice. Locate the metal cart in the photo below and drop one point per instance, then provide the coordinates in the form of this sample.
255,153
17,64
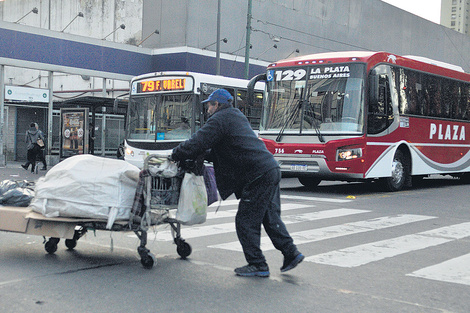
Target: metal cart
156,202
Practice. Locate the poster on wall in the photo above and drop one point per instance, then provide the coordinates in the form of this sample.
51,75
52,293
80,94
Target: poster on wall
74,132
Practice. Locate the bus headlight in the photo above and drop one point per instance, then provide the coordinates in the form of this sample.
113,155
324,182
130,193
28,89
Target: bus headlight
348,154
129,152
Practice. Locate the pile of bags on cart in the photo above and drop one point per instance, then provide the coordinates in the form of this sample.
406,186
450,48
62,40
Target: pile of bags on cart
92,187
16,193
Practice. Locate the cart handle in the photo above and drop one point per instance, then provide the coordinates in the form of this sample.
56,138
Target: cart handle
157,156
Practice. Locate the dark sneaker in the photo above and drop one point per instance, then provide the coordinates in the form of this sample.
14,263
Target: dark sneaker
44,169
24,166
252,270
290,263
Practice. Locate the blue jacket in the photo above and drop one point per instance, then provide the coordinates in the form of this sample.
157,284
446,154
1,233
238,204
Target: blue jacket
239,157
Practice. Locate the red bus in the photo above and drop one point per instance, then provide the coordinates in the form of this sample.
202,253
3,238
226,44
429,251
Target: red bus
358,116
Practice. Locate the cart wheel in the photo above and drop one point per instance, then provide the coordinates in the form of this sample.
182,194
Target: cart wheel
51,245
147,261
70,243
183,248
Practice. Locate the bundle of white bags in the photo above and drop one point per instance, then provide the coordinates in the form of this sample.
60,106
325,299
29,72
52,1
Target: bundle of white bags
86,186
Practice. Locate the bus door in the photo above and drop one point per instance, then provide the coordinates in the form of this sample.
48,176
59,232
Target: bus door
382,107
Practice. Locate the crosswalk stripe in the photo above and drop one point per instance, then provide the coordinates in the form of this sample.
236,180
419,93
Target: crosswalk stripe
371,252
200,231
313,235
224,203
286,197
232,213
314,199
455,270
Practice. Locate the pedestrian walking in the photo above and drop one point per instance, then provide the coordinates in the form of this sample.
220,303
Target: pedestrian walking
34,139
245,167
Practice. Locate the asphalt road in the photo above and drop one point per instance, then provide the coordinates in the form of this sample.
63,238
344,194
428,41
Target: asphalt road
366,251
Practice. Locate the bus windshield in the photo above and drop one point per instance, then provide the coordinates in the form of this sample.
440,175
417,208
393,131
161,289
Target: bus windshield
322,99
160,117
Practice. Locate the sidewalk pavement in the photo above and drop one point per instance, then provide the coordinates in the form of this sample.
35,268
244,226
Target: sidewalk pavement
14,171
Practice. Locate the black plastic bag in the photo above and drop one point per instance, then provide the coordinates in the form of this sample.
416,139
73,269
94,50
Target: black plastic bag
16,193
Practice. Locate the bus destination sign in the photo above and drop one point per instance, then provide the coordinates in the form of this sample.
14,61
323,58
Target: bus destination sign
163,84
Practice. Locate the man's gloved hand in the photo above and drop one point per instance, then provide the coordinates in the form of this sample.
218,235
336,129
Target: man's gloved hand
174,156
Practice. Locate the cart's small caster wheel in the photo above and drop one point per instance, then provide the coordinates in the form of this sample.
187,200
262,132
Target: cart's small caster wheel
51,245
183,248
70,243
147,261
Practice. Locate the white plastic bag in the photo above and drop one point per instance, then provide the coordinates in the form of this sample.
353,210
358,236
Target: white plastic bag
192,204
166,169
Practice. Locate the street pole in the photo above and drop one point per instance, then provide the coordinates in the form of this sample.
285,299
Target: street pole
50,83
103,122
248,34
2,117
217,57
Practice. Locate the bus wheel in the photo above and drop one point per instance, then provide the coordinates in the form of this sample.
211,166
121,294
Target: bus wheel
309,182
400,173
465,178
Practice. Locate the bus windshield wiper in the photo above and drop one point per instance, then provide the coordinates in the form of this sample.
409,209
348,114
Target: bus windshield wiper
317,129
289,120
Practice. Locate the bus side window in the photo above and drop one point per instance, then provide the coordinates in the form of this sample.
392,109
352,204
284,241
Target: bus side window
410,91
380,113
463,108
252,113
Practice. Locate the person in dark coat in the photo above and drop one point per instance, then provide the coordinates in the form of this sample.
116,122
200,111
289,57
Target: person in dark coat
31,138
244,167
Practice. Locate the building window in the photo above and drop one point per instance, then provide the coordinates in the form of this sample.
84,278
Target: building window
452,23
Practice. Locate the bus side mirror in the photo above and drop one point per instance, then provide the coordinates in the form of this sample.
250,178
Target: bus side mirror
374,88
251,88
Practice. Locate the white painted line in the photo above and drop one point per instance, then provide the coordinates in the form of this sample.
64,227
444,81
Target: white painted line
216,229
224,203
313,235
314,199
319,215
456,270
232,213
372,252
287,197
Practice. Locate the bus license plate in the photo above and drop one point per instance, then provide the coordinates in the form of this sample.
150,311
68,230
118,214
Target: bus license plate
299,168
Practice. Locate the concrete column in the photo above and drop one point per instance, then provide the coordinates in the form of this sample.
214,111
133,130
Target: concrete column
103,122
2,116
50,159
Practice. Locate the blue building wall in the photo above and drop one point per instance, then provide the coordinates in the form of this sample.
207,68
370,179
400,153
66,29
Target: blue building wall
49,52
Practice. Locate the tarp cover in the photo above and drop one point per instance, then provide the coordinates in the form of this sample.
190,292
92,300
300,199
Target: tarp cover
87,186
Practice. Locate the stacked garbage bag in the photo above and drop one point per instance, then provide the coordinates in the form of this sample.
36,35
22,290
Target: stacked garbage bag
86,186
16,193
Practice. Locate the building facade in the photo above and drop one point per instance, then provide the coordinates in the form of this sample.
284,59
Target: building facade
455,15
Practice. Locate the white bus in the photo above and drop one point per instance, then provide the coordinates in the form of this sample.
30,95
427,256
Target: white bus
165,109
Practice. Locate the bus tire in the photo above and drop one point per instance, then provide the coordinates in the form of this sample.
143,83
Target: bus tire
465,178
309,182
400,173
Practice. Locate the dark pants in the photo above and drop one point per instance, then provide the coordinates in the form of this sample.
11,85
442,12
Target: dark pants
260,204
41,158
33,154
